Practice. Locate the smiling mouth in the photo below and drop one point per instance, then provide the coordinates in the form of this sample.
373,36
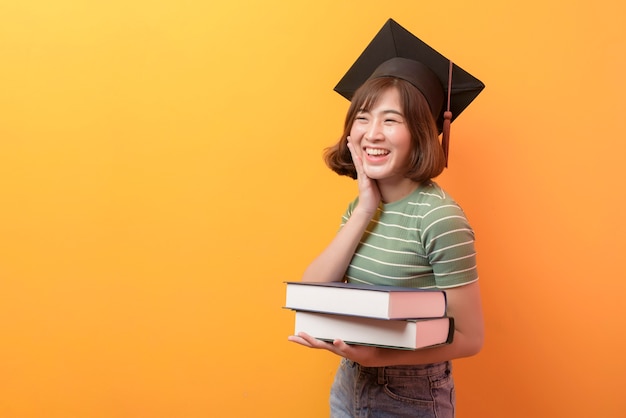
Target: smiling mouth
376,152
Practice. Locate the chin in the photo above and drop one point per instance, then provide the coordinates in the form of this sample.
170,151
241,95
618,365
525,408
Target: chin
376,174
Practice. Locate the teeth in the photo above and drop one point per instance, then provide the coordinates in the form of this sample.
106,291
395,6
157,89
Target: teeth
371,151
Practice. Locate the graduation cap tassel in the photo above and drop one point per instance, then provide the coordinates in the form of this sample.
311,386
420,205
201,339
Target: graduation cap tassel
447,119
445,139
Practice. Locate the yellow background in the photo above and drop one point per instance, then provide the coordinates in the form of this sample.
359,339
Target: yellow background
161,176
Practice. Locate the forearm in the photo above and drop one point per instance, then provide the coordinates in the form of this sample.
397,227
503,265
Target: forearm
464,306
462,346
331,264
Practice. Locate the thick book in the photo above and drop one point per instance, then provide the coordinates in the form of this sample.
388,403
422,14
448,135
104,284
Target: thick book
409,334
384,302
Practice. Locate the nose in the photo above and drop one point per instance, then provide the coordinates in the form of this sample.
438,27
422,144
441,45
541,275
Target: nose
374,131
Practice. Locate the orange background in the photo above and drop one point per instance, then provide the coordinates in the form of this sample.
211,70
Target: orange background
161,176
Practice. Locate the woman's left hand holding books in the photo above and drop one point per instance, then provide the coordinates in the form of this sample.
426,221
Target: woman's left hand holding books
363,354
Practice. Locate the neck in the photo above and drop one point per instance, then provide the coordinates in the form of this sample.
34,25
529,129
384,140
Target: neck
392,192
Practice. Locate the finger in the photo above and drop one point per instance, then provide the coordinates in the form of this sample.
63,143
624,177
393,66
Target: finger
351,148
343,349
341,345
299,340
309,341
358,163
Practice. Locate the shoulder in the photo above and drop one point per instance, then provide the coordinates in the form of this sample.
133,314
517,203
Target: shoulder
439,209
432,199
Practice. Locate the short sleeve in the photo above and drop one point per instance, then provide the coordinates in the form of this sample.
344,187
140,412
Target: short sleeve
448,241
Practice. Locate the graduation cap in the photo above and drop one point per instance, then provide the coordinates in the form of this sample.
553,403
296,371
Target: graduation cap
396,52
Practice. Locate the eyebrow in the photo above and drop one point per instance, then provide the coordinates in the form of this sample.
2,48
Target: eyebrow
393,111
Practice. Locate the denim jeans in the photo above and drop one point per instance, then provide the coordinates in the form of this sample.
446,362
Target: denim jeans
424,391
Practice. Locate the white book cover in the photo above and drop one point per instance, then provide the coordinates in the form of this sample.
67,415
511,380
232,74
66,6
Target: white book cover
403,334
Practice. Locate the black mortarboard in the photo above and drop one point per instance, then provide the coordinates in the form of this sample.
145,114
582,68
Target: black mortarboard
396,52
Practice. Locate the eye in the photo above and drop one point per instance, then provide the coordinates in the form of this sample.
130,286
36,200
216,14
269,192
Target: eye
392,117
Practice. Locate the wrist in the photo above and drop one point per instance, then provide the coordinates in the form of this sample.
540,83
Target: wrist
363,212
373,357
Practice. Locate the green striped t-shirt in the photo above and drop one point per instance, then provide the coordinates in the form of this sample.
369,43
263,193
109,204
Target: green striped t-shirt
423,240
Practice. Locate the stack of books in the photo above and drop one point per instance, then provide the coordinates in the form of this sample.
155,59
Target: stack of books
385,316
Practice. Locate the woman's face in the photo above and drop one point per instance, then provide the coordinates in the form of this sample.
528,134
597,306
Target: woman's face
383,139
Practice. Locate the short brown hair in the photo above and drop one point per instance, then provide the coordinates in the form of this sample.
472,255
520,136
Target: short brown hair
427,159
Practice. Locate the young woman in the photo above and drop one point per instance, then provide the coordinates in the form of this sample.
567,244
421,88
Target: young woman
402,230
